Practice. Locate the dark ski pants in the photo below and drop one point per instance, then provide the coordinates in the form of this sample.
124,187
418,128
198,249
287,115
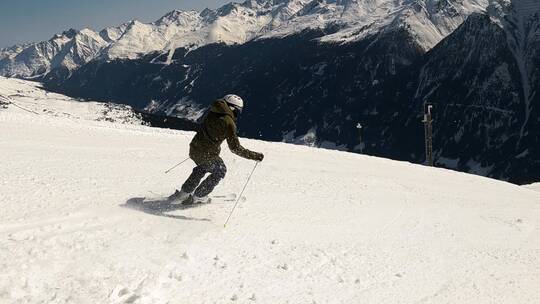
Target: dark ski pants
216,168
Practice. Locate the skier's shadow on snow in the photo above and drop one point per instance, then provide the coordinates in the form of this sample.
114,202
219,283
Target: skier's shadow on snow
160,207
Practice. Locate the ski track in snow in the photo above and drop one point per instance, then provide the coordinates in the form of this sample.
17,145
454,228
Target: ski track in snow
317,226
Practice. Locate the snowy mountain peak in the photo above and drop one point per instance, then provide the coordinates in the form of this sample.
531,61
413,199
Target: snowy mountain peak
111,34
70,33
176,16
178,19
68,50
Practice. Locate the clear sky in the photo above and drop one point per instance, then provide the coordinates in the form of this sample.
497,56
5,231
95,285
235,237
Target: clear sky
38,20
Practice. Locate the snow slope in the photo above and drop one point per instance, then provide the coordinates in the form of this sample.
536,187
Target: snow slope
316,226
535,186
30,97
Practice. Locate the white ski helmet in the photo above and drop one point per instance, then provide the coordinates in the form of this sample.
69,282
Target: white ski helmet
234,101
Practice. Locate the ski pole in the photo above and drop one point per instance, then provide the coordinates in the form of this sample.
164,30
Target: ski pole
242,192
185,160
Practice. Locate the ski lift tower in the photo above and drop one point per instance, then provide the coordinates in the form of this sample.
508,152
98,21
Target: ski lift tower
428,132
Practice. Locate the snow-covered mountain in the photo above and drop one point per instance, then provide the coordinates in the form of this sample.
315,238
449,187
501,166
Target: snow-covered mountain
68,50
313,226
301,90
428,22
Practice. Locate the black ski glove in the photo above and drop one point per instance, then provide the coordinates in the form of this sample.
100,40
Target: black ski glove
259,157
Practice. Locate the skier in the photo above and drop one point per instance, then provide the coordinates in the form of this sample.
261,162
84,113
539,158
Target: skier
204,149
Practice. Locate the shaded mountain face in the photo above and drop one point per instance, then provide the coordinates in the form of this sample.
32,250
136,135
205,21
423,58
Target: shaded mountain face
296,88
486,108
482,80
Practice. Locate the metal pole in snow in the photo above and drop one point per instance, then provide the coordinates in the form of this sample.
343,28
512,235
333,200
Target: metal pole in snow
428,134
359,127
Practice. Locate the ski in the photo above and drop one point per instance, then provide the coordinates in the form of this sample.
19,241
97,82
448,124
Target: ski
159,205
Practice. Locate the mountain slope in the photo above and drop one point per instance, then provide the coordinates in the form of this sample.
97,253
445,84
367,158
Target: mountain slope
428,21
68,50
483,80
291,85
315,225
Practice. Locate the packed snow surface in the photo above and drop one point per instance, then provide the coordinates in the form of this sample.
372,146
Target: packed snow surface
535,186
315,226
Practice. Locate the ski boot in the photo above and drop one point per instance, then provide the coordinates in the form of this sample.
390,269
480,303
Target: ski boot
179,197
